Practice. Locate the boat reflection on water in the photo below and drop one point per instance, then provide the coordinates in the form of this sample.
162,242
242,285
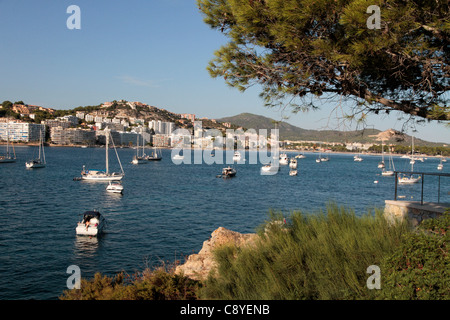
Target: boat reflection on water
86,247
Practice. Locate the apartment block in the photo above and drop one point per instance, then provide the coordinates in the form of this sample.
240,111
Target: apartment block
21,131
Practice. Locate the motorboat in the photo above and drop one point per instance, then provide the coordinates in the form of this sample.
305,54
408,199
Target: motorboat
293,172
228,172
114,187
92,224
408,179
293,164
98,175
324,159
178,157
300,156
381,165
269,169
284,159
357,158
237,157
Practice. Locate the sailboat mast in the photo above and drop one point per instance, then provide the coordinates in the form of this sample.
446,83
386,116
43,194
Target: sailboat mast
107,147
412,154
7,140
40,142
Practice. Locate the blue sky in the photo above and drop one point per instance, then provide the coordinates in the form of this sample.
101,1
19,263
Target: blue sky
153,51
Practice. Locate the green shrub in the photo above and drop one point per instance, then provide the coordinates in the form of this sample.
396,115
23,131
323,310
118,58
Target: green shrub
157,284
420,268
316,256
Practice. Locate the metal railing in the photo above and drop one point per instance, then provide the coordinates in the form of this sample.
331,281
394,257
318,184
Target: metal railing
422,174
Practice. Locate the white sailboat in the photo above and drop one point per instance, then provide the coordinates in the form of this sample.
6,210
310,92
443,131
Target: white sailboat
440,165
40,161
96,175
381,164
7,158
410,179
357,158
137,159
391,170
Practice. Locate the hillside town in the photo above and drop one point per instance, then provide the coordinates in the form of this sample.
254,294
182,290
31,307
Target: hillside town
130,123
137,123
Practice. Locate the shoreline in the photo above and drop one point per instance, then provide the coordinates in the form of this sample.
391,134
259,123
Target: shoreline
36,144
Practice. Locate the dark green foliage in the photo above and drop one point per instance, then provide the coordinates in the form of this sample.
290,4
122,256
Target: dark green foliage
304,48
420,268
158,284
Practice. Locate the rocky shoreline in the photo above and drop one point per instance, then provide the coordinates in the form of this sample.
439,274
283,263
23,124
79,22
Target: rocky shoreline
198,266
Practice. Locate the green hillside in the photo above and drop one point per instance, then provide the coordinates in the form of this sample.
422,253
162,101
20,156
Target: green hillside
290,132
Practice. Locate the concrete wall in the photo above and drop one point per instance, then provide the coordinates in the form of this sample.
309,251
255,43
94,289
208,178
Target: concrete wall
413,211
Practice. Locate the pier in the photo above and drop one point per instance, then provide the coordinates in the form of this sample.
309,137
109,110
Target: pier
416,211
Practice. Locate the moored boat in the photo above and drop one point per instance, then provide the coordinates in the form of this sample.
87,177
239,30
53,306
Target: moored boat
114,187
92,224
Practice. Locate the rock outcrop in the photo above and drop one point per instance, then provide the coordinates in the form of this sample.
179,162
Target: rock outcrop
198,266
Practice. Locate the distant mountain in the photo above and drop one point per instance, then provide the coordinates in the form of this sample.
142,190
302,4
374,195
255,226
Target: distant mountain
290,132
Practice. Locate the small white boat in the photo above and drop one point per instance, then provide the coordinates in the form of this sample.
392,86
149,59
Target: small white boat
293,164
178,157
293,172
300,156
324,159
228,172
269,169
284,159
114,187
408,179
237,157
387,173
91,225
381,165
357,158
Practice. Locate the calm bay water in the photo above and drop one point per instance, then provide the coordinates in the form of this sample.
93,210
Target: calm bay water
166,211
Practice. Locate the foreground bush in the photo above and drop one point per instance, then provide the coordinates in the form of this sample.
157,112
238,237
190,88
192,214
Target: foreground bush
420,268
319,256
158,284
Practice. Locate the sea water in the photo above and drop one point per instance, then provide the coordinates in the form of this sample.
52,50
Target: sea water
166,212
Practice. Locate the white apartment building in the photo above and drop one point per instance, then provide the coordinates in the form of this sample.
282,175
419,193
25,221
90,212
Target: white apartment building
21,131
